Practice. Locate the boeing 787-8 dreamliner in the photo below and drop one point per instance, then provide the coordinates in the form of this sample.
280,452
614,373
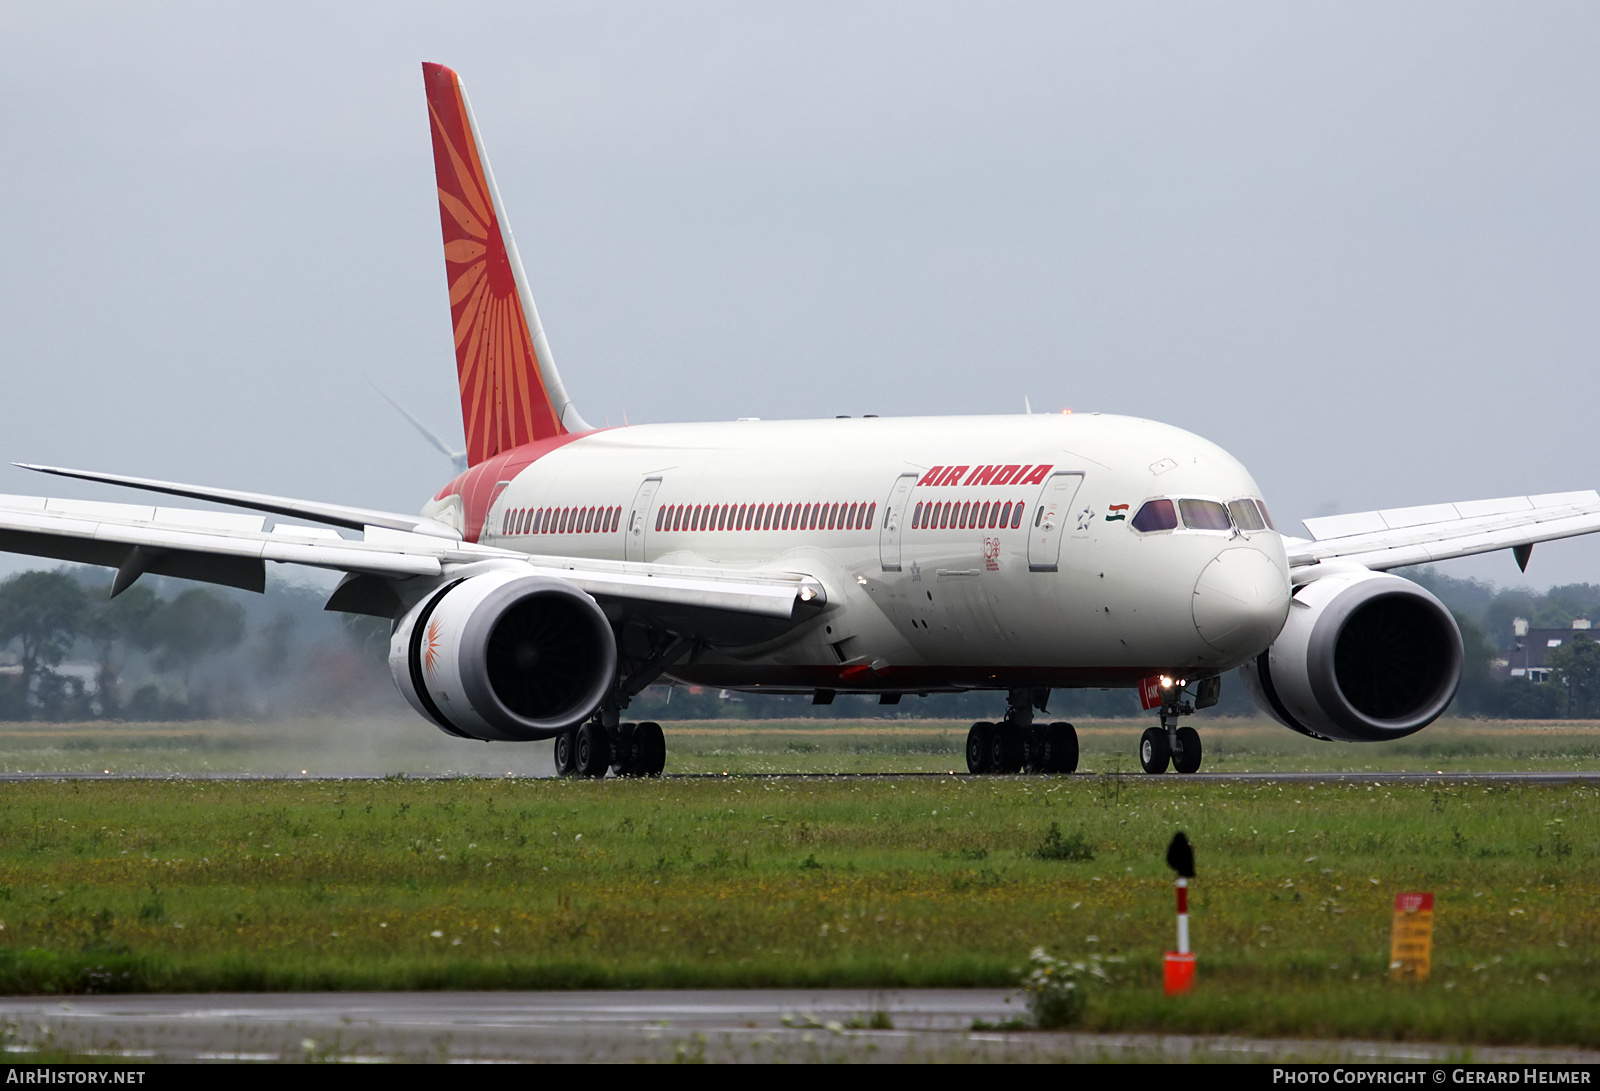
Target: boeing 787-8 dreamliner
570,566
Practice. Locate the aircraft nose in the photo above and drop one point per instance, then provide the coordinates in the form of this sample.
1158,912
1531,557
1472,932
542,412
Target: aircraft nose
1241,601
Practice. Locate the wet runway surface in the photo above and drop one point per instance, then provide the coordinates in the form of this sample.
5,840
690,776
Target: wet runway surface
1193,778
712,1025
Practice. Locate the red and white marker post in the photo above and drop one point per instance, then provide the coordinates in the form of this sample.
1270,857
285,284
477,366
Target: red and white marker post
1183,915
1179,967
1180,963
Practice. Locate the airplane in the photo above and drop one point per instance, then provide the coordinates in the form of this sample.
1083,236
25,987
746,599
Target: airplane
568,566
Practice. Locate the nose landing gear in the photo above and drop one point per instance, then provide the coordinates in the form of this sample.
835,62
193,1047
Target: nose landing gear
1017,744
1169,743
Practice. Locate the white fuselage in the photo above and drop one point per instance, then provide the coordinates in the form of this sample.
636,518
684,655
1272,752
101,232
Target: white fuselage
1065,593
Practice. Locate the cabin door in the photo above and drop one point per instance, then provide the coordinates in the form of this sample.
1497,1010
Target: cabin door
1053,511
894,518
639,519
491,526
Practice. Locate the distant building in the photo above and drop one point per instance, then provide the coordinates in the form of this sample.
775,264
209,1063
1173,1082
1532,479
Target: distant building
1532,647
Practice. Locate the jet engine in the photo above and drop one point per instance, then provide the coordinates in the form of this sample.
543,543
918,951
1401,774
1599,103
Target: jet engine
1364,657
504,656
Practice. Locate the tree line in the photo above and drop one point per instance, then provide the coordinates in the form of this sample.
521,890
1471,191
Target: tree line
171,650
1485,614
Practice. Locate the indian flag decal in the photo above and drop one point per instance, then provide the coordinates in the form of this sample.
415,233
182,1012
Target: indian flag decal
1117,512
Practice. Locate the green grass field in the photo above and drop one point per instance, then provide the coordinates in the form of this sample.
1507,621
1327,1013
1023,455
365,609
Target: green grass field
747,880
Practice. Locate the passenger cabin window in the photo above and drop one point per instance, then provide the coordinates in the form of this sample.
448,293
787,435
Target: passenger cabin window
735,517
1156,515
1204,515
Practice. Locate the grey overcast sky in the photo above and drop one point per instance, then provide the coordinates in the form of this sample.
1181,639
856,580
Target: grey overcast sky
1356,244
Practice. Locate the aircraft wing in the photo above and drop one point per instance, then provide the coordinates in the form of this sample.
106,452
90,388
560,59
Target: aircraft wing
1381,540
232,549
333,514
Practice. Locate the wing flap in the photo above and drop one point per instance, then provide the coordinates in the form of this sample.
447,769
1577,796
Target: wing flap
105,534
231,571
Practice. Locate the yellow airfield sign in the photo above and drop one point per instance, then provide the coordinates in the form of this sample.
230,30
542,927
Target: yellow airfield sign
1411,945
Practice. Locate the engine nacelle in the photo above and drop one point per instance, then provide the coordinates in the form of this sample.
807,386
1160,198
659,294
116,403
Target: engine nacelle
504,655
1364,657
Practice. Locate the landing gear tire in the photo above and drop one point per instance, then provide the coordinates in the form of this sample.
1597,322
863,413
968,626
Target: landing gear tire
1187,759
625,755
980,748
1038,749
1010,749
565,749
651,747
592,753
1060,749
1154,753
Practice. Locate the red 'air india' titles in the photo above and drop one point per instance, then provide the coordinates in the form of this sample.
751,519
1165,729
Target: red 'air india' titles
986,475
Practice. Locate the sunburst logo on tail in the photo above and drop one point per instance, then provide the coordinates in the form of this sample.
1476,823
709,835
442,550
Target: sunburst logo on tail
504,403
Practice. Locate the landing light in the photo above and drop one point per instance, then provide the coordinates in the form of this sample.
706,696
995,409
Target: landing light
1166,683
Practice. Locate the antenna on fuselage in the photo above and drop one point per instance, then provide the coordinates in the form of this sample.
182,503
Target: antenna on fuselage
1027,406
458,459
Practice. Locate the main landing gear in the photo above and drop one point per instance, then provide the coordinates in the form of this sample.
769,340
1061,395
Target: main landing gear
605,742
1169,743
1017,744
629,750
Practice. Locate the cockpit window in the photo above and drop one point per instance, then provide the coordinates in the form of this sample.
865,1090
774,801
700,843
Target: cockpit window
1156,515
1266,515
1204,515
1246,516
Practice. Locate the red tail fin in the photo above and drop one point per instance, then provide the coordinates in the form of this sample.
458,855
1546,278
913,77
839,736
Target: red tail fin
510,391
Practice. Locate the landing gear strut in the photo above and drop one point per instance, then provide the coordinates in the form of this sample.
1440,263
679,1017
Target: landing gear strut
605,742
1169,743
1017,744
